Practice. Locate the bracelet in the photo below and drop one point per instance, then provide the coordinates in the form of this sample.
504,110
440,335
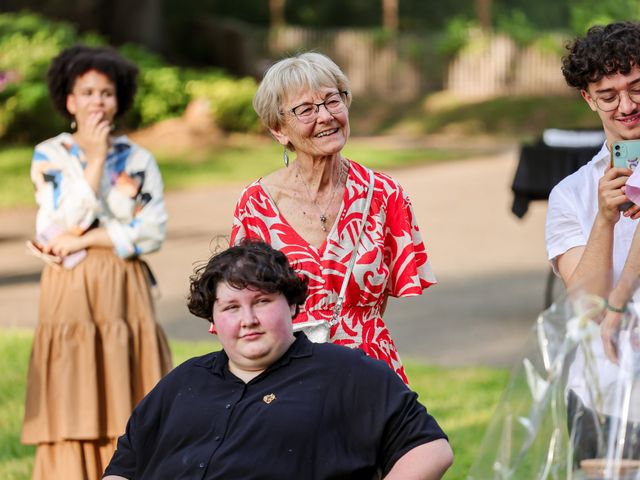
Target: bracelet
611,308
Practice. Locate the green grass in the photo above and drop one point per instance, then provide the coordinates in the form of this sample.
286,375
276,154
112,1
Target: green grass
230,163
245,158
15,459
511,117
516,117
462,400
15,185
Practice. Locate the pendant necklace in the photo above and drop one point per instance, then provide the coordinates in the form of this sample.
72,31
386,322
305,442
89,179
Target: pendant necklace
323,214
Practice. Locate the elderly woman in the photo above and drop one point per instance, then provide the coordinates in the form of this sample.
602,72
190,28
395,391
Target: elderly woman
350,230
97,349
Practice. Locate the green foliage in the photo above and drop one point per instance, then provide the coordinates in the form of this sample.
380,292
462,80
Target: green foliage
455,37
16,460
517,25
15,184
27,45
29,42
522,117
463,415
550,43
252,158
230,101
413,15
461,399
586,13
161,94
541,15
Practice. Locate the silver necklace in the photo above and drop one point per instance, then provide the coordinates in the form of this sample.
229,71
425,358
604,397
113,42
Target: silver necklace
323,214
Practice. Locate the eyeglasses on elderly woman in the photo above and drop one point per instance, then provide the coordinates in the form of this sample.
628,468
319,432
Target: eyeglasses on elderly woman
308,112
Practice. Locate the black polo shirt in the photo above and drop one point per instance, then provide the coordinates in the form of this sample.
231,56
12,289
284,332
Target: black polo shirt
321,411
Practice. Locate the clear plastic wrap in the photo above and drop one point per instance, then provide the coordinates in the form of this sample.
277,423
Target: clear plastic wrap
568,411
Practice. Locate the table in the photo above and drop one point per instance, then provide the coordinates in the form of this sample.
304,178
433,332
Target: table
540,168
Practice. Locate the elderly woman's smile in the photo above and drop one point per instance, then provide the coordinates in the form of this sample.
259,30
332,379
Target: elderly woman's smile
327,132
316,122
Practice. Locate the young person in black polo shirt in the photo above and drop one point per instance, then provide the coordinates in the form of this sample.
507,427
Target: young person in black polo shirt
272,405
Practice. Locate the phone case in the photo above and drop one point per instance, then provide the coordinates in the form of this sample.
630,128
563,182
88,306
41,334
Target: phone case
625,154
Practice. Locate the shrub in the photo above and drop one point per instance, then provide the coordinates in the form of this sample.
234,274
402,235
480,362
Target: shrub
161,92
230,102
28,43
455,37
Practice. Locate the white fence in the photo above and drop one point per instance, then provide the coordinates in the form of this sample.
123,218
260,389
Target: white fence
495,65
407,66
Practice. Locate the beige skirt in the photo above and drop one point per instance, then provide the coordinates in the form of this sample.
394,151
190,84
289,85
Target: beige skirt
97,350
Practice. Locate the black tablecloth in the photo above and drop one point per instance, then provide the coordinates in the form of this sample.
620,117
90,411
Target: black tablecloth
540,168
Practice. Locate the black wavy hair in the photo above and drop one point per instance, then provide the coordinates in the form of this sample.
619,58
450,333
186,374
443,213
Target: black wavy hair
604,50
75,61
251,264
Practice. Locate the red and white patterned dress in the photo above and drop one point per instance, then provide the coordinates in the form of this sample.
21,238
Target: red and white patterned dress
391,258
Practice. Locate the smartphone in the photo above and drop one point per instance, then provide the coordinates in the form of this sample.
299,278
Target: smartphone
625,154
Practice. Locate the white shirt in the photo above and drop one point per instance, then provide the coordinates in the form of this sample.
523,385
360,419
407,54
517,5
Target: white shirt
130,205
573,206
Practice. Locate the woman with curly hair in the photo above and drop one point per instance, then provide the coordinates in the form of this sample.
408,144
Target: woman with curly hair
97,349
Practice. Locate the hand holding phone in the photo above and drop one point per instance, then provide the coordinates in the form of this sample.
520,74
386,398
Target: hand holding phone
626,154
36,250
43,238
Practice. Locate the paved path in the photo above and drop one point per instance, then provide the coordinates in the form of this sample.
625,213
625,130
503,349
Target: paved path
491,266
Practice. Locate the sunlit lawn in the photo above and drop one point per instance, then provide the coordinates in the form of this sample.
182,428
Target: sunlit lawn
462,399
242,160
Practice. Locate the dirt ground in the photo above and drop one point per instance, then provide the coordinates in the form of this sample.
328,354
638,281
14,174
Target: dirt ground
490,265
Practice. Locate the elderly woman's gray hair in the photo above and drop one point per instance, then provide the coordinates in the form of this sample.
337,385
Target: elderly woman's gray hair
309,70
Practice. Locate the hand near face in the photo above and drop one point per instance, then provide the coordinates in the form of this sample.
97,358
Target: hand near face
97,137
93,104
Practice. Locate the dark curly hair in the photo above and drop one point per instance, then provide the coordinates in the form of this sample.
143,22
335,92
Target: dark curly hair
251,264
75,61
604,50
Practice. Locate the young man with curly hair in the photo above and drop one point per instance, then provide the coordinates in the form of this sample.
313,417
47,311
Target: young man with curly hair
591,229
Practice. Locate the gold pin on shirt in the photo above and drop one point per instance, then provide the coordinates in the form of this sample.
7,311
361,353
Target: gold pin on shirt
269,398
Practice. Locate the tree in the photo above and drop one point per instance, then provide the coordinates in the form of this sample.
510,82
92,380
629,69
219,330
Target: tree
390,15
483,13
585,13
276,13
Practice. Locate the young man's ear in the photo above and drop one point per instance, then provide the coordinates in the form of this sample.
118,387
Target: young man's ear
587,98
